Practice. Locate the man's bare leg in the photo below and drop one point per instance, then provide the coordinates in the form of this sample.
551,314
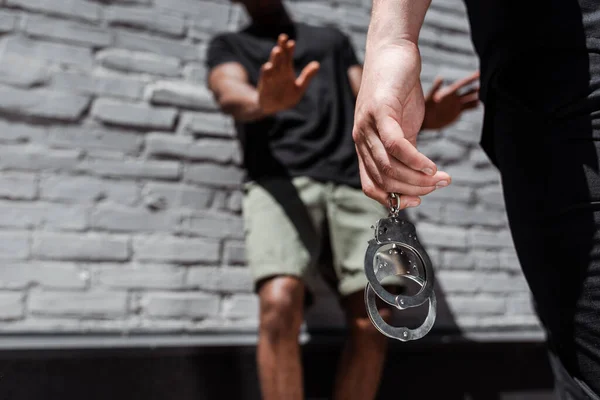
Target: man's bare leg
278,353
362,360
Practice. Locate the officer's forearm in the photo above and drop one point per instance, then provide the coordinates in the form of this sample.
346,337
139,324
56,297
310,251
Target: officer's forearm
396,22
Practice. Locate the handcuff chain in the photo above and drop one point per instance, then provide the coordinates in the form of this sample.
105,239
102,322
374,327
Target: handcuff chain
394,204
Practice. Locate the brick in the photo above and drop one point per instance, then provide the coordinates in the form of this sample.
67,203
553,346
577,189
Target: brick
14,245
484,282
521,322
486,259
67,31
463,214
215,224
176,250
464,132
141,62
45,274
477,305
453,193
457,260
42,215
443,150
76,247
441,236
78,189
111,86
181,305
520,304
140,276
43,103
78,9
235,253
508,259
219,200
35,158
214,175
467,174
132,168
23,72
134,114
164,145
430,211
478,157
482,238
230,280
182,94
12,306
55,52
241,306
14,132
145,18
120,219
199,10
317,12
176,196
491,196
207,124
17,186
76,304
158,45
235,200
95,138
195,73
8,21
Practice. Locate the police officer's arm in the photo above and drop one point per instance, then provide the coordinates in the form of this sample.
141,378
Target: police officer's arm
391,106
278,87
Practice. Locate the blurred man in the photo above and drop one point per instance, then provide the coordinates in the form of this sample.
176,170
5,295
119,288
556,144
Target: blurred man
291,88
540,67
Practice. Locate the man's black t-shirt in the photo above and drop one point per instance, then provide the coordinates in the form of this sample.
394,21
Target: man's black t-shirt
314,139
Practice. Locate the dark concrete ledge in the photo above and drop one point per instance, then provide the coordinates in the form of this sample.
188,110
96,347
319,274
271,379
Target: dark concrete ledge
20,342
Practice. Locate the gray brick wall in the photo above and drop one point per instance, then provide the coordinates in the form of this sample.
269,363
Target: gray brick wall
119,180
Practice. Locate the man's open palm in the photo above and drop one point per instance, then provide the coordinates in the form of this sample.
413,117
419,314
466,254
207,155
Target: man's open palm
278,87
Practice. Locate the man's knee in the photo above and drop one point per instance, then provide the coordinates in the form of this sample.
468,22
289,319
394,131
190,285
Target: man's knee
359,323
281,307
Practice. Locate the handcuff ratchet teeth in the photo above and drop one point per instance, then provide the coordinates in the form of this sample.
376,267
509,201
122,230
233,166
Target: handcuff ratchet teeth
396,251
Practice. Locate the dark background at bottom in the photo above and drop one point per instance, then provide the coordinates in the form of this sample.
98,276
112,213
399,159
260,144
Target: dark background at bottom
463,371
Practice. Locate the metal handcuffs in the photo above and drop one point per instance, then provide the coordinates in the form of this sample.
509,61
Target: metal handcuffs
396,251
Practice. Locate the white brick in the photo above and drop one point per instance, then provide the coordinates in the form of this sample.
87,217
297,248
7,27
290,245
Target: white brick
75,304
241,306
47,274
35,158
135,61
42,215
68,8
11,306
140,276
182,94
134,114
176,196
145,18
120,219
14,245
17,186
67,31
43,103
176,250
90,247
173,305
132,168
75,189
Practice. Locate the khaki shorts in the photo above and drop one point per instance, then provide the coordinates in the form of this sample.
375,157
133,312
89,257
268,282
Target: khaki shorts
302,227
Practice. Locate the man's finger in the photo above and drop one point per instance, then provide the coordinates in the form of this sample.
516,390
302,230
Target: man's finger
470,98
464,82
290,47
437,84
469,105
396,144
307,74
277,58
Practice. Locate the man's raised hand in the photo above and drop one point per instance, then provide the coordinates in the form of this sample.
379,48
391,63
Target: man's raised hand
443,105
278,87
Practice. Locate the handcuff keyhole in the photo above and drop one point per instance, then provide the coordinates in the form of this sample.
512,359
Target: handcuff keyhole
385,229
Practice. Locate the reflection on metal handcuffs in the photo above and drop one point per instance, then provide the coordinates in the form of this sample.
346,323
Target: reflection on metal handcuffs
395,251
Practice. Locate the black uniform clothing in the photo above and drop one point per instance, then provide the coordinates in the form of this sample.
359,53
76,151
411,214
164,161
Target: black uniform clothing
540,66
314,139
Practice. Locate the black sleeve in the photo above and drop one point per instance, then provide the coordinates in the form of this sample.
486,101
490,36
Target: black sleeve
348,54
219,52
